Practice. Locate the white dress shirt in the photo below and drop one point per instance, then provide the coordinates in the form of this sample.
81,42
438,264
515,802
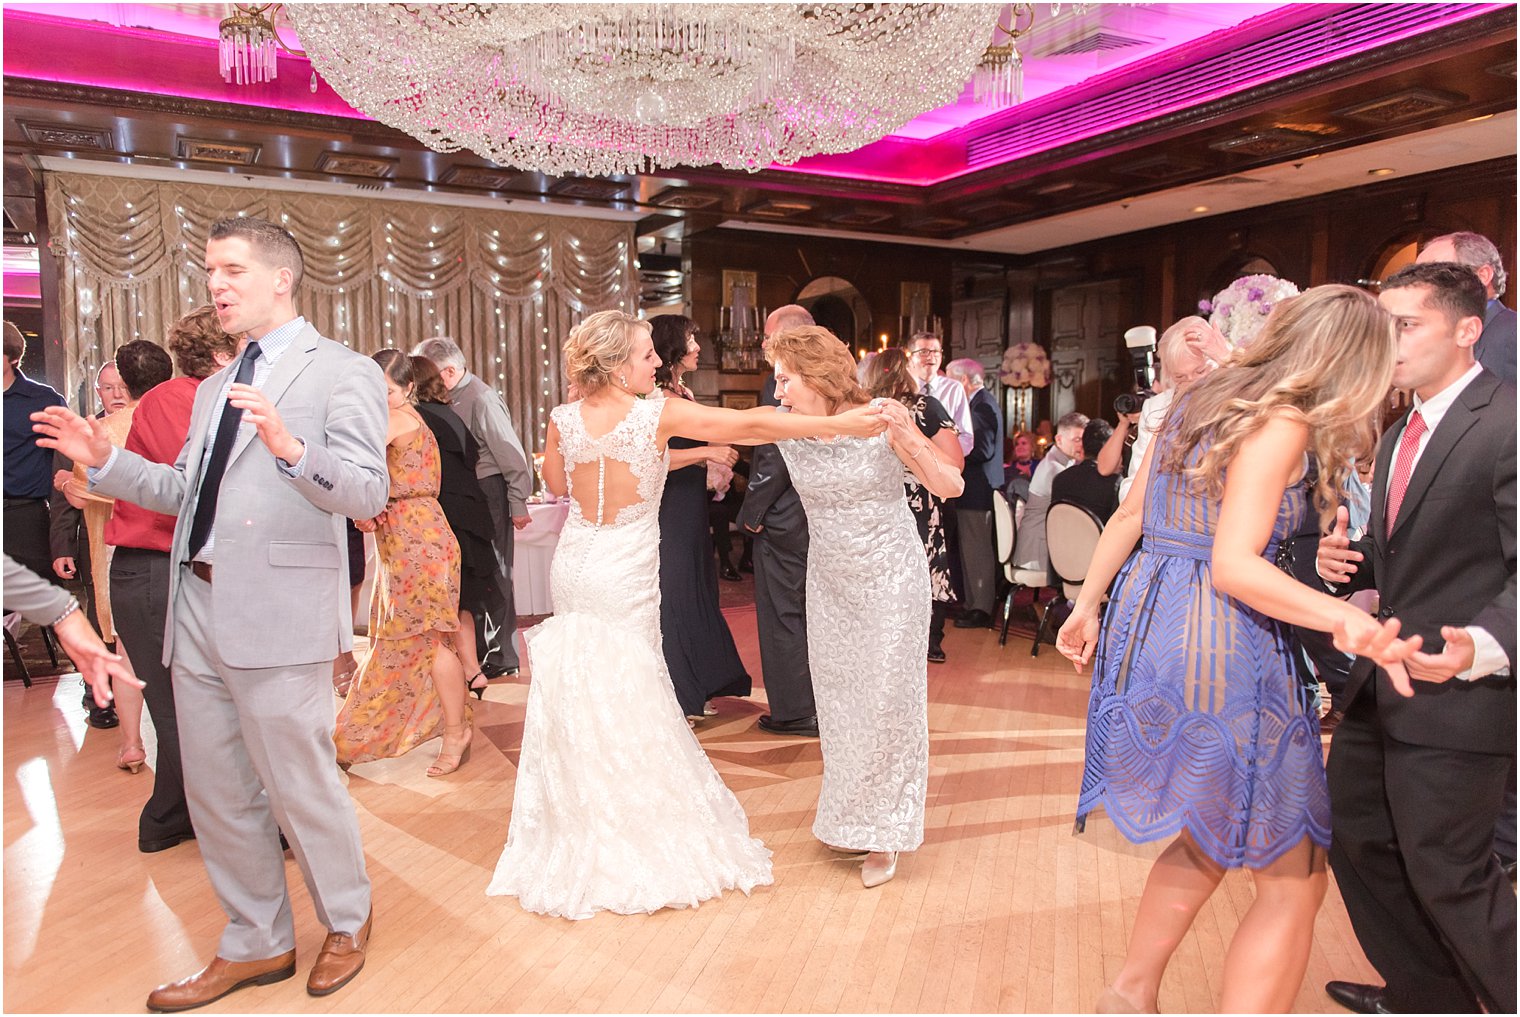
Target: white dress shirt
1152,416
952,396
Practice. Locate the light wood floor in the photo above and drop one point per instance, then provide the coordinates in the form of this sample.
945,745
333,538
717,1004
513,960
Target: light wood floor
1003,909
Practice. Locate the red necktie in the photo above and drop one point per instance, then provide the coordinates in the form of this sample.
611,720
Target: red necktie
1403,465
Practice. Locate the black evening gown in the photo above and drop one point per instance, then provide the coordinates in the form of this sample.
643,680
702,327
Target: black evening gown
699,649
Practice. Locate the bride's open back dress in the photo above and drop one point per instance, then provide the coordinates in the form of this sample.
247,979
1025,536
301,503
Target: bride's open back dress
617,808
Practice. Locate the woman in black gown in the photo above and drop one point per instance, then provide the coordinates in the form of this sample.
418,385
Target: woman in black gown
699,649
464,506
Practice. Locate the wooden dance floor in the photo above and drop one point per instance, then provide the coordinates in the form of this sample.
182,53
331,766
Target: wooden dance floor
1002,909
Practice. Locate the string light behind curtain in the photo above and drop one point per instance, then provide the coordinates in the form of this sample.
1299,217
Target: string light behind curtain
507,286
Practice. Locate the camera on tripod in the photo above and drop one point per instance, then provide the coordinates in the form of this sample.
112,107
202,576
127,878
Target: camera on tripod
1141,343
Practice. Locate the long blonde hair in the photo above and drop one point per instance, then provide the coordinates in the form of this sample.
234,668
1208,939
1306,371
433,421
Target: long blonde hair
1325,358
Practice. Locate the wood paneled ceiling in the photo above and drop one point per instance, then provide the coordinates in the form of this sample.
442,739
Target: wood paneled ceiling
1463,70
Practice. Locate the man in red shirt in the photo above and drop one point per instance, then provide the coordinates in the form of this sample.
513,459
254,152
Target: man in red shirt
140,567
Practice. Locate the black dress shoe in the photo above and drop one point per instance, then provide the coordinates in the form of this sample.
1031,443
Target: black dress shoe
807,727
974,620
494,671
1358,998
936,655
148,847
746,566
103,717
727,571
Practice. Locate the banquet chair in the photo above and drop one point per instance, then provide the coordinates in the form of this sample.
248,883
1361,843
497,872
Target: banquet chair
1005,529
1072,533
13,622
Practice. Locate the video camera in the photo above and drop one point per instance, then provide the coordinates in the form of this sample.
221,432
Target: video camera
1141,342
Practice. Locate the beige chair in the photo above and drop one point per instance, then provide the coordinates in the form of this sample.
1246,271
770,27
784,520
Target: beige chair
1005,530
1071,533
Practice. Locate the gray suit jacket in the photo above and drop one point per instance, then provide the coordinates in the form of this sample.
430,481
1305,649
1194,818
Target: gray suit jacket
30,595
280,595
1496,346
484,412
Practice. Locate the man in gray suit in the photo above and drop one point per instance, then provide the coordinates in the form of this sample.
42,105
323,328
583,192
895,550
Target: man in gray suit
283,444
504,476
1496,346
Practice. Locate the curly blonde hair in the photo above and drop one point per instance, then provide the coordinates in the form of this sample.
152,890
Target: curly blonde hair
815,355
1324,358
597,347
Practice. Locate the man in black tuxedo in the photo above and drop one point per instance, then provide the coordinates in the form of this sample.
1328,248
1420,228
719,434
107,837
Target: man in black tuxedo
1417,783
773,513
1496,346
983,474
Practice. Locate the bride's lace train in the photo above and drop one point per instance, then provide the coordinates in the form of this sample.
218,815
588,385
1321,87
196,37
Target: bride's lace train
617,807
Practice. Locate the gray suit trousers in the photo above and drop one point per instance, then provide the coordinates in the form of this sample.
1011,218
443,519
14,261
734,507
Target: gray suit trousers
978,558
494,632
781,621
259,758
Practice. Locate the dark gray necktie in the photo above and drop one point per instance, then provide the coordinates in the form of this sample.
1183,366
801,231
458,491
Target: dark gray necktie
221,450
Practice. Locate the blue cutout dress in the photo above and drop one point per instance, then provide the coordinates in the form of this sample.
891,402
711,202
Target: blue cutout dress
1197,720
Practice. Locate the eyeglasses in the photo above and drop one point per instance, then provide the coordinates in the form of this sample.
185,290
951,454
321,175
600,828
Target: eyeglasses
929,354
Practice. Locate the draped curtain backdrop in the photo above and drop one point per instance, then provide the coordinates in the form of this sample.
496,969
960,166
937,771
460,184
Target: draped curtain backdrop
506,286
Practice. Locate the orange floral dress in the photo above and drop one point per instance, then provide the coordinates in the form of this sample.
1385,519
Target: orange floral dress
392,706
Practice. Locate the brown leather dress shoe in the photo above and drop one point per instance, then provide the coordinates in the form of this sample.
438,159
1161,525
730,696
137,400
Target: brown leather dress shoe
219,978
341,959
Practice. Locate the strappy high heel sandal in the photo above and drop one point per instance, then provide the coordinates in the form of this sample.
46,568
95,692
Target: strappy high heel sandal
479,690
447,763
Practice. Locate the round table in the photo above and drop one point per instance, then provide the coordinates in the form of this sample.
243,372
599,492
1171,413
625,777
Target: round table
532,552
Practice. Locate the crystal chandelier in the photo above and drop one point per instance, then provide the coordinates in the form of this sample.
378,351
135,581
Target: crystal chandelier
999,78
600,89
247,45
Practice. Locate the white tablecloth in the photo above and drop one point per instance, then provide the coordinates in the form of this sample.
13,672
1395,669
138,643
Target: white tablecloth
532,551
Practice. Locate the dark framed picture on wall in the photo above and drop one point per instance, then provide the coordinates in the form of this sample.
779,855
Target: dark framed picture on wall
739,399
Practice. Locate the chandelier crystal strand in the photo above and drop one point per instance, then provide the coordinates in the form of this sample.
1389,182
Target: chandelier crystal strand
246,47
595,90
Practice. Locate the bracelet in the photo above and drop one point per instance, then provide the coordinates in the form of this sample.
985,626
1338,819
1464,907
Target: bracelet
921,448
73,605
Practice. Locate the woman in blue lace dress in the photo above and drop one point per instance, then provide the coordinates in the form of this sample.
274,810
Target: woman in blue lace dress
1198,727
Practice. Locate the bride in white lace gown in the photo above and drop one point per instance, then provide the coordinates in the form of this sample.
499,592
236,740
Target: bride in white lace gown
617,807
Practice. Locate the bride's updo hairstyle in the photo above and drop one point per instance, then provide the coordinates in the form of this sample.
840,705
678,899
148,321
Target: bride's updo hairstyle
597,347
816,356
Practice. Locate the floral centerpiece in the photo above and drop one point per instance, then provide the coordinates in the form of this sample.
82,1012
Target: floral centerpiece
1240,309
1025,366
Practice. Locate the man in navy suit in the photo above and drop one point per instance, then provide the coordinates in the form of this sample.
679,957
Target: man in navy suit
1496,346
983,474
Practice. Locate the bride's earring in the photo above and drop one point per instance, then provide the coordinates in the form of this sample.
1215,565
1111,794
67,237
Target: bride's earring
622,379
